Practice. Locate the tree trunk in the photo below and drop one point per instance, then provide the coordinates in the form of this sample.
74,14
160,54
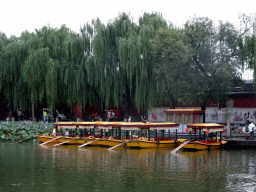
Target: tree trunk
172,103
203,107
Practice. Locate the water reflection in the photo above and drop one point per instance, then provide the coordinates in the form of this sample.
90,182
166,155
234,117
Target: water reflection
30,167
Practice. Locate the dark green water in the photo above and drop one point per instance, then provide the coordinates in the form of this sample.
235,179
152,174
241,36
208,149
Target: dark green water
30,167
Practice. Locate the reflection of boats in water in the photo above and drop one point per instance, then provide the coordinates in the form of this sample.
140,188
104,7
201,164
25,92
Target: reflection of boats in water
111,134
210,139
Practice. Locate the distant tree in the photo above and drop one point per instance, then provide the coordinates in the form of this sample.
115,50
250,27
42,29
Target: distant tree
198,62
171,70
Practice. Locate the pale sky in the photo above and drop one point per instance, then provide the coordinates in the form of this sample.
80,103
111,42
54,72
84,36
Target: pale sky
20,15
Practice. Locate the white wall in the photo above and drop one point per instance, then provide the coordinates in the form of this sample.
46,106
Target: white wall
212,114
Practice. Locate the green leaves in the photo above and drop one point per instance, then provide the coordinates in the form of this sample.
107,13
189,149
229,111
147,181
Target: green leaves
23,130
122,63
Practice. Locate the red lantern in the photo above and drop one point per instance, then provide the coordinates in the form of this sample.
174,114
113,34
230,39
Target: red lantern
223,131
207,132
186,130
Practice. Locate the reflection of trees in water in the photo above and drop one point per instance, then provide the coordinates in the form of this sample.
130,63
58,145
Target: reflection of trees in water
131,169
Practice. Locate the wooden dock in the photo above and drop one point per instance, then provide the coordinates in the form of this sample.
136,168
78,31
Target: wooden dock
238,142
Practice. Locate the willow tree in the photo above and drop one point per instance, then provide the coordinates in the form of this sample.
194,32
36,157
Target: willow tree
135,52
109,75
248,42
76,72
12,85
40,68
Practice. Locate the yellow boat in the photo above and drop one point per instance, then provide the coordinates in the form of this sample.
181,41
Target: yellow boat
206,143
147,142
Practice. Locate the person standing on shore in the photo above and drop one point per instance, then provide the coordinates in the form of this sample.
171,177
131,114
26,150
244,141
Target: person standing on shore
130,119
144,119
251,128
45,115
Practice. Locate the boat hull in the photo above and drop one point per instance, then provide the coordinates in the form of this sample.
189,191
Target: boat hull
153,144
110,142
79,141
44,139
196,145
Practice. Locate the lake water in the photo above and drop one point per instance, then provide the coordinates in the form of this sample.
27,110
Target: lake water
30,167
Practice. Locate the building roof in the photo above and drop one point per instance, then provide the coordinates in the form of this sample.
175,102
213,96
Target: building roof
183,111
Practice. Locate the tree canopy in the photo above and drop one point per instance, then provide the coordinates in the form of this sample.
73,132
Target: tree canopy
123,63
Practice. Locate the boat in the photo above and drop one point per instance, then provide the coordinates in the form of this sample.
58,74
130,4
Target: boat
148,141
211,138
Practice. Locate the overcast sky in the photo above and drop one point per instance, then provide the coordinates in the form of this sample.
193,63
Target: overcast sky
20,15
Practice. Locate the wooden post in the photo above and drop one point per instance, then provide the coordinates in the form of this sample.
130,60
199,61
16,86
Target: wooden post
189,136
220,136
119,137
199,134
101,133
148,134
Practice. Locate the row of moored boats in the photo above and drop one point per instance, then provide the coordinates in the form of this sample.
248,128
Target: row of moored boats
202,136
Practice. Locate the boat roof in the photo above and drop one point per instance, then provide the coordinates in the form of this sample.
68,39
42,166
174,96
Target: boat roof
124,125
183,111
205,126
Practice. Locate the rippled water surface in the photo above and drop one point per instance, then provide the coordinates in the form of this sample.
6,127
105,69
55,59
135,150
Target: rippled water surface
30,167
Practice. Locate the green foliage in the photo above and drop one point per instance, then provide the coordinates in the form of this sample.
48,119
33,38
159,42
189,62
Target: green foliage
123,63
23,130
